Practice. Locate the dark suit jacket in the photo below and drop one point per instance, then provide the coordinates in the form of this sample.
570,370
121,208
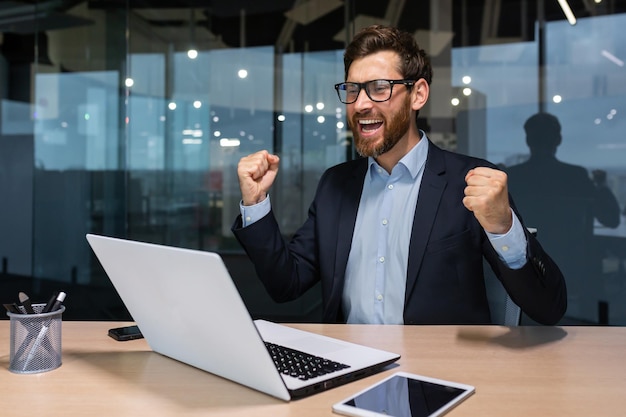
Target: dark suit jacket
444,282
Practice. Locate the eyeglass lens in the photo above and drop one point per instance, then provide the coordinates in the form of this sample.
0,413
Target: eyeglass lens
377,90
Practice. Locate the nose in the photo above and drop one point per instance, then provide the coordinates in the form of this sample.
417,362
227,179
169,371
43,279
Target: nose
363,101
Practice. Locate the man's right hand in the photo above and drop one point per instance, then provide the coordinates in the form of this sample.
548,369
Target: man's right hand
257,173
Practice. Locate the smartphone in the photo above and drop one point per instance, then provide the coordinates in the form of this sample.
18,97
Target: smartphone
125,333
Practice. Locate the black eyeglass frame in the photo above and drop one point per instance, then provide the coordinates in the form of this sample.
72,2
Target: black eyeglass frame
364,86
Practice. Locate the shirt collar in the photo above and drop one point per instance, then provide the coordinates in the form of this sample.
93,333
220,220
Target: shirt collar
413,161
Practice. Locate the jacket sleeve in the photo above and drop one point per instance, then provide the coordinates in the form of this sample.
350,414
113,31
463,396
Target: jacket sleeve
287,270
538,287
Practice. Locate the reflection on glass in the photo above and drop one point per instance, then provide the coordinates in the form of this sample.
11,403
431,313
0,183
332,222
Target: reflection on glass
586,95
562,201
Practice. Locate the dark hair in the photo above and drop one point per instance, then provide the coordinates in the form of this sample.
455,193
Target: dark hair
414,63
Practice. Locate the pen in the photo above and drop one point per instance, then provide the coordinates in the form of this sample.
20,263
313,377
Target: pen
33,350
54,303
49,304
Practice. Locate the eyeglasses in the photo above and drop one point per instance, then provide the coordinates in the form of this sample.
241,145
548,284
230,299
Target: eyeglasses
377,90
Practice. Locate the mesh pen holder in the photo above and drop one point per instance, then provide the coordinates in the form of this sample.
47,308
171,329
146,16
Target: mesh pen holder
35,341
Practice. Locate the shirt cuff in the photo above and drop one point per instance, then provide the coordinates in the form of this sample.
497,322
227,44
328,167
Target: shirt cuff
511,246
251,214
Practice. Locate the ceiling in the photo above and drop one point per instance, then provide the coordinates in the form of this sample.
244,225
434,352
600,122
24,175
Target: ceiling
305,25
312,25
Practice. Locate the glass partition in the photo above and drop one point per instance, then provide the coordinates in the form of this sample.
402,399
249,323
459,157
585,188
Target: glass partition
128,119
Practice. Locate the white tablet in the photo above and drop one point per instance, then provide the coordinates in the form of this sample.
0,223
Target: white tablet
405,395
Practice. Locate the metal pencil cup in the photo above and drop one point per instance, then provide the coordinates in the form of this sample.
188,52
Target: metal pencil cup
35,341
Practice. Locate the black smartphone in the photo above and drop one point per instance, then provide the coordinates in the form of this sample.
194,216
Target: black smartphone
125,333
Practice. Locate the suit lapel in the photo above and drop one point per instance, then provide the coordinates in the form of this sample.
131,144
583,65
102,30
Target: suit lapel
348,209
431,191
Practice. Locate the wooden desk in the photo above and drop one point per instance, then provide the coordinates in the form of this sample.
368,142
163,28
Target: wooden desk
525,371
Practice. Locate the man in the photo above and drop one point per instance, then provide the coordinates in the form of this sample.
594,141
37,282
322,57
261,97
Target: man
398,236
562,201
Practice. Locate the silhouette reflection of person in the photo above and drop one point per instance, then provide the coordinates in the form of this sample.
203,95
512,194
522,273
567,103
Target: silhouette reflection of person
561,200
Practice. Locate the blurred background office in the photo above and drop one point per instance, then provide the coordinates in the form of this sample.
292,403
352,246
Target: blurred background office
127,118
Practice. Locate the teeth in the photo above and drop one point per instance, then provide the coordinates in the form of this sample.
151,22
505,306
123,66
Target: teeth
369,122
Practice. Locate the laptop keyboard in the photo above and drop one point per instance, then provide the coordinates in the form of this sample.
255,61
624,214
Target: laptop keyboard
301,365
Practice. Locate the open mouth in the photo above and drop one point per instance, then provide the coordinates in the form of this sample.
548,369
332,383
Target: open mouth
370,125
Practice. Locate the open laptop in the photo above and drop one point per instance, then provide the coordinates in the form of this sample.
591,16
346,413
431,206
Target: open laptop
188,308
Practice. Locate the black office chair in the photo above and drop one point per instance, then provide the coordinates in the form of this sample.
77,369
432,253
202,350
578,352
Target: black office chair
504,311
512,312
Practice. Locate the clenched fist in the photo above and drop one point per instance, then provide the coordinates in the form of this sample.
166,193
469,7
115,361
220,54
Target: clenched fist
487,196
256,173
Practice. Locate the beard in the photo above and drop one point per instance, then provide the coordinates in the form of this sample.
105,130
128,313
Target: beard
394,130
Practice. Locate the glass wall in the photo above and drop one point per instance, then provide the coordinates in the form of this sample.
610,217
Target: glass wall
128,119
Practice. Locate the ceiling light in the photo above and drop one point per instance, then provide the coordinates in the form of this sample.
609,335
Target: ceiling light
190,141
229,143
568,12
196,133
612,58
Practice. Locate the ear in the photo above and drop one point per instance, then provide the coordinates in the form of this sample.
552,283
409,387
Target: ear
419,94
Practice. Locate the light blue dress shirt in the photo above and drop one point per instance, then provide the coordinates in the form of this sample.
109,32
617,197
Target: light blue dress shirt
375,279
377,264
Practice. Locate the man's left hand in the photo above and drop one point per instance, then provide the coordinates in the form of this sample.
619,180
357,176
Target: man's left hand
487,196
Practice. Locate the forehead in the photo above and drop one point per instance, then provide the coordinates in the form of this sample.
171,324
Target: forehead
380,65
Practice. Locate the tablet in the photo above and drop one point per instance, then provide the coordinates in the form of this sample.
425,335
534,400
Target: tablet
405,395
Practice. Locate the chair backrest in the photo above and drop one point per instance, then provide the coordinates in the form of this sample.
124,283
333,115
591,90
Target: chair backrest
512,312
504,311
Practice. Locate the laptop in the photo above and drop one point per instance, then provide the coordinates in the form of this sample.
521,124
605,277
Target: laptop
189,309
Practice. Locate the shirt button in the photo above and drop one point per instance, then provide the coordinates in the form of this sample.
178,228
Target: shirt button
390,186
248,219
381,259
379,297
385,221
505,248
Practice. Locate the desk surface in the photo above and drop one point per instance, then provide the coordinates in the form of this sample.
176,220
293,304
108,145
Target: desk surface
524,371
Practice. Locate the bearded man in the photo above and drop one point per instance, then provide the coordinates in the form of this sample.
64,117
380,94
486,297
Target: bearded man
399,235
